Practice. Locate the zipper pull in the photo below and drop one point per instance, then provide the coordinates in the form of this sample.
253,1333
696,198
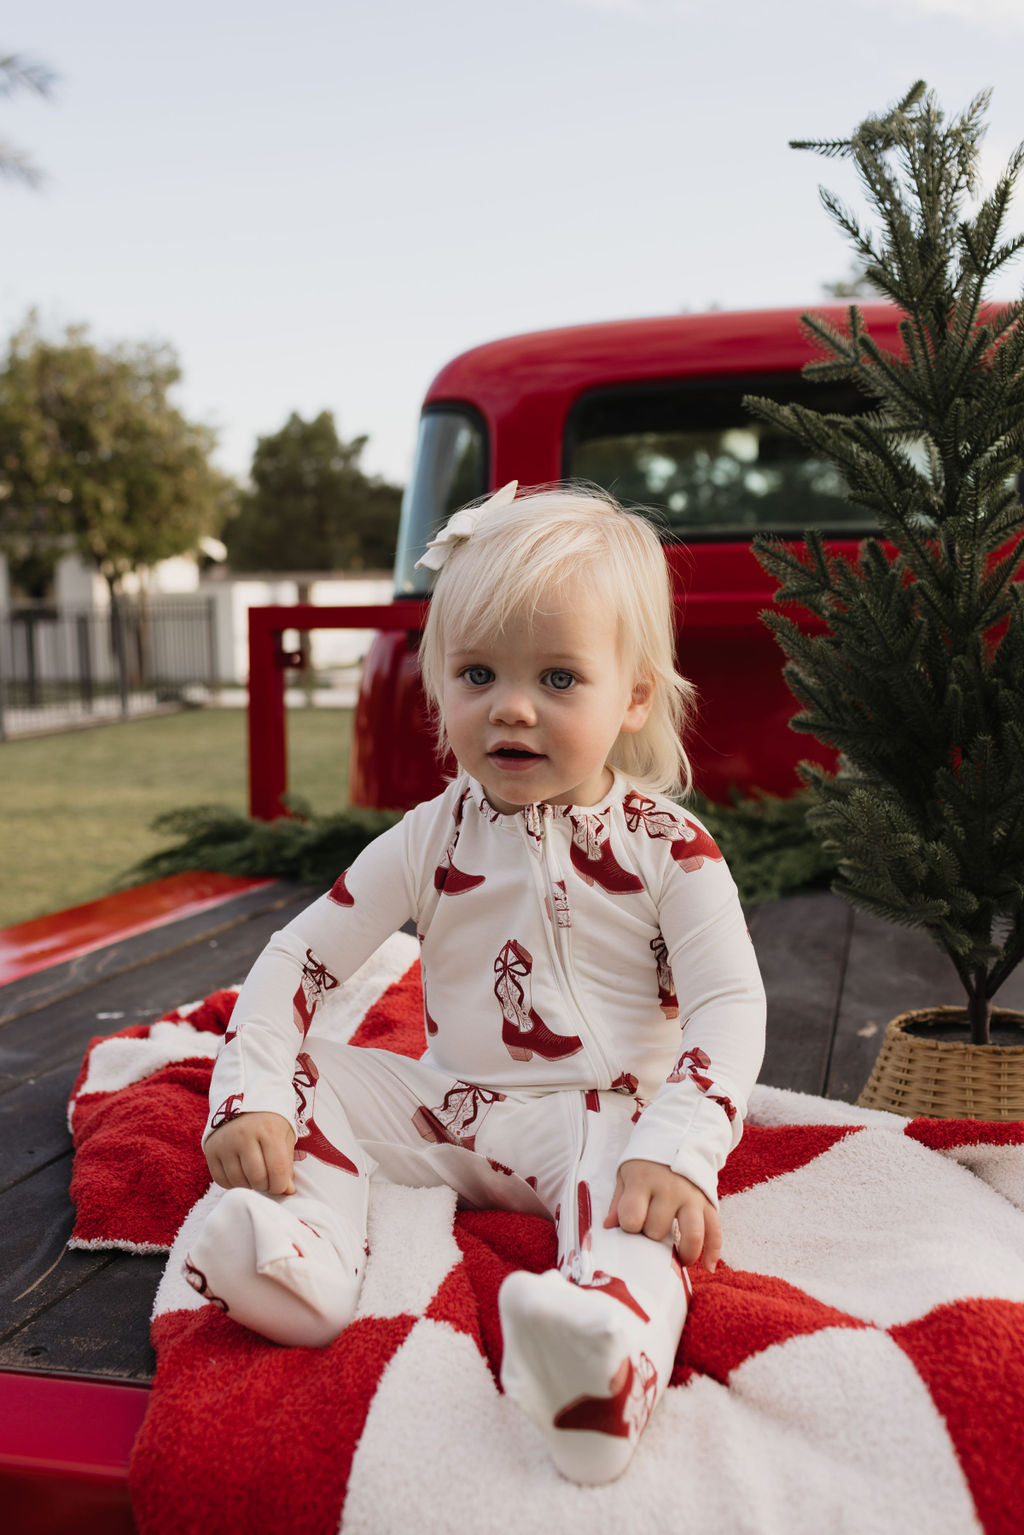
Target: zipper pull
534,818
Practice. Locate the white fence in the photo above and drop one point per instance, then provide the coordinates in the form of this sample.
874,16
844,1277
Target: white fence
61,667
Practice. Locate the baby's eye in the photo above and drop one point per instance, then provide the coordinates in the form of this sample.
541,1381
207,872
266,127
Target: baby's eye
560,681
477,676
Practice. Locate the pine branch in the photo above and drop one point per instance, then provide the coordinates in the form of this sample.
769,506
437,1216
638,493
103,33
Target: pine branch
847,222
16,166
806,573
878,130
1006,320
895,383
967,137
18,73
830,149
831,340
310,850
973,341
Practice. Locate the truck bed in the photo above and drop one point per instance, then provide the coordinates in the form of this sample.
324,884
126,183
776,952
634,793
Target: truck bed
74,1325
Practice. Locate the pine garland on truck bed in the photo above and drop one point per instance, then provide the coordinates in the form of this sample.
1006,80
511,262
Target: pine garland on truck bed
766,842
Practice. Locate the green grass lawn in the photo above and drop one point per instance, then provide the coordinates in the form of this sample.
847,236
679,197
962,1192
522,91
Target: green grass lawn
76,808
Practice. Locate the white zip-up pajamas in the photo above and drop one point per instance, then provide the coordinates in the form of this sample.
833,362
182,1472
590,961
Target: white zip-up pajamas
591,995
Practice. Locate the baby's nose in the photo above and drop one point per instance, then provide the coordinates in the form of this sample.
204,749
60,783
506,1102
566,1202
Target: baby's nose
512,705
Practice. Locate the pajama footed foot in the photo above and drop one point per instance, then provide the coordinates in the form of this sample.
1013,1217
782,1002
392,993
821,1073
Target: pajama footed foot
273,1271
573,1362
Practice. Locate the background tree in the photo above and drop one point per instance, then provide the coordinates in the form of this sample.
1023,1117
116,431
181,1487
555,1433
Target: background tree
17,73
917,677
95,458
311,507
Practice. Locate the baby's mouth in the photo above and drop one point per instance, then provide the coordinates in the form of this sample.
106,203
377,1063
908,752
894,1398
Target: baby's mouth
514,754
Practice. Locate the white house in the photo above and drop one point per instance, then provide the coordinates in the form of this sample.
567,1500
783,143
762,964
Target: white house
77,589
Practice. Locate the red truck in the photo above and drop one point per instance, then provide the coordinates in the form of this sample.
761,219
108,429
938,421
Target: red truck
653,411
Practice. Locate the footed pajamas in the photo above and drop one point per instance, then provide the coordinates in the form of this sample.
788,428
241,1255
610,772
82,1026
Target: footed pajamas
590,996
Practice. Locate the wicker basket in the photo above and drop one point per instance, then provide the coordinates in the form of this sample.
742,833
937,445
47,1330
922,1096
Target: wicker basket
947,1079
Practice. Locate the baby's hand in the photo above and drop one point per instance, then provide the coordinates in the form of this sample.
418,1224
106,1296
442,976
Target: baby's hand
253,1151
651,1198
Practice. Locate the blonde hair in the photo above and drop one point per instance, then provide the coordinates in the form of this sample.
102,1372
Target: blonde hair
516,554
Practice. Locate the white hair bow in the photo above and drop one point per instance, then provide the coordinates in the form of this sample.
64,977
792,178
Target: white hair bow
462,526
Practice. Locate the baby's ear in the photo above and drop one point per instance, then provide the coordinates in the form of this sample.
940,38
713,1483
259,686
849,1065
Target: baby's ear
639,706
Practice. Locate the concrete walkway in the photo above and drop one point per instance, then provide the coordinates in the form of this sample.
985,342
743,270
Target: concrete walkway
340,692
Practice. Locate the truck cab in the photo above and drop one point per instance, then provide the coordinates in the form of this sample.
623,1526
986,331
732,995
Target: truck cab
651,410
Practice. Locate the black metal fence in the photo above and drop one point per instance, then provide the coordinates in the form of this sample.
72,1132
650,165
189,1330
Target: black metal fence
66,667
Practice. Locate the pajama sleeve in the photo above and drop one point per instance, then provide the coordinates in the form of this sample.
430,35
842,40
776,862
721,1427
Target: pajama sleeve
696,1117
300,965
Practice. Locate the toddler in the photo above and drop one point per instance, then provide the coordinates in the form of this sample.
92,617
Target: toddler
593,1010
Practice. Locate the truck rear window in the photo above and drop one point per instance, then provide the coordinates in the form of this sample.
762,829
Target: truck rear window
690,450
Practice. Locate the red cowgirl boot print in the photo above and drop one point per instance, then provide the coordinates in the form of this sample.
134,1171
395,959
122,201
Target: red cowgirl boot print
694,1064
312,1142
584,1215
624,1414
557,908
690,851
610,1284
315,982
447,878
229,1109
451,881
689,844
339,892
667,999
591,854
197,1279
429,1023
456,1120
524,1033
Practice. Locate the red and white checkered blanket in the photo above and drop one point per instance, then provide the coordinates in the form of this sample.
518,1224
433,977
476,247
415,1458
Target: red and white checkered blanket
855,1364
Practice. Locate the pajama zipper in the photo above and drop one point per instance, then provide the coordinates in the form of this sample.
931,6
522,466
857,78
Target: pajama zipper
564,971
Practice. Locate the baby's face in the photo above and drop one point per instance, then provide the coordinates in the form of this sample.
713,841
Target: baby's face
533,713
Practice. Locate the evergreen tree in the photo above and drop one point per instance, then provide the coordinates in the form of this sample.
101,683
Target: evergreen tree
311,506
915,668
94,456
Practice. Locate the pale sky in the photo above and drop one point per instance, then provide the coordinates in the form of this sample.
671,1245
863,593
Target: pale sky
319,204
